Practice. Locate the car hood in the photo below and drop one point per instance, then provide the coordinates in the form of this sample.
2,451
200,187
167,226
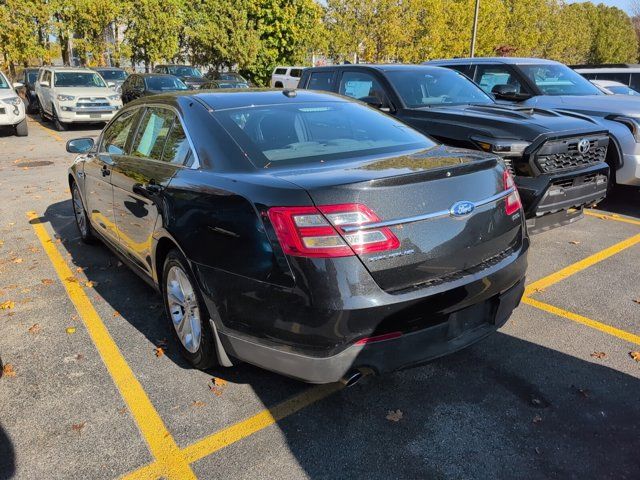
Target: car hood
7,93
506,121
84,91
597,105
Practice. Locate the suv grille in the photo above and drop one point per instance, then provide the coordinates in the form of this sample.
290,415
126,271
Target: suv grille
92,102
564,155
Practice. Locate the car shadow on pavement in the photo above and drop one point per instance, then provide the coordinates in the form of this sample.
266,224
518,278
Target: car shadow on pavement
7,456
623,200
503,408
71,127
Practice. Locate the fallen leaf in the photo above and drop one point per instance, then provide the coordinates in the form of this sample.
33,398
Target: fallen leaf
122,411
574,242
79,269
47,281
73,358
159,351
537,419
598,354
219,382
116,314
8,370
90,284
78,427
9,304
635,356
71,330
394,415
636,300
34,329
198,403
217,386
17,260
71,279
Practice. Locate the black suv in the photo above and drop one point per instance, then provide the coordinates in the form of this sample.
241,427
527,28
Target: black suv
28,79
190,75
558,159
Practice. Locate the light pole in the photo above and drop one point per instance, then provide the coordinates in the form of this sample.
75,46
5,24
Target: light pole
475,29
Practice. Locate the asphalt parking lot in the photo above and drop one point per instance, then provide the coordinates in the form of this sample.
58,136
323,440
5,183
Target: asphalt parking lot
86,392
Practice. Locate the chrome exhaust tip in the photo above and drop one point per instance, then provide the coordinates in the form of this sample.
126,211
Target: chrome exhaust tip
351,378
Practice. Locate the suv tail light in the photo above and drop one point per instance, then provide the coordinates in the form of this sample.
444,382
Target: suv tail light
317,232
513,203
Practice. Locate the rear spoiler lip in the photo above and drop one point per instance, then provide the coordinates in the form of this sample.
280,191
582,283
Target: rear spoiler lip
427,216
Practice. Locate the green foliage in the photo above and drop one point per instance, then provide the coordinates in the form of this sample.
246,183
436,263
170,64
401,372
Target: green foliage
23,27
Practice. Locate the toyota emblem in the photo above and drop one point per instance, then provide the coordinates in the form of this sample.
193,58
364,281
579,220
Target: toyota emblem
583,146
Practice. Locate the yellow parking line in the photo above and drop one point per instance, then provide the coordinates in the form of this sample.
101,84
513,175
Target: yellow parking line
616,332
243,429
171,461
581,265
48,131
613,216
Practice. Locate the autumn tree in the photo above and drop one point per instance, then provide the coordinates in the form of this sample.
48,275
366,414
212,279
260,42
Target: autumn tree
23,24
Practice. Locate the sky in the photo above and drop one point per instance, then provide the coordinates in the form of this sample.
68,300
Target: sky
622,4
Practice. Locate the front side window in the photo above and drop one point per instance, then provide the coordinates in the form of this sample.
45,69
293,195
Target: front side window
435,86
78,79
114,138
361,85
152,133
32,76
165,84
555,79
321,81
488,76
300,133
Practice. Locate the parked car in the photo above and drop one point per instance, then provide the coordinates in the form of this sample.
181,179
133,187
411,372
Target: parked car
228,77
74,95
140,85
614,88
114,77
28,79
532,82
191,76
213,84
303,232
626,74
286,77
12,109
555,178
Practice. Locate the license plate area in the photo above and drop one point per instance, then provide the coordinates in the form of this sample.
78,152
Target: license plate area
472,317
95,115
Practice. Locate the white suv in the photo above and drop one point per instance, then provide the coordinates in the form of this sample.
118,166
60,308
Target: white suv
12,111
75,95
286,77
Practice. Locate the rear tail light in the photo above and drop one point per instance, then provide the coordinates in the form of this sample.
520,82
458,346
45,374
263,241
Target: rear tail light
317,231
513,203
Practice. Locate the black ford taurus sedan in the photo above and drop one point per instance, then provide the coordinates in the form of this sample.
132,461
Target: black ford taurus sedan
303,232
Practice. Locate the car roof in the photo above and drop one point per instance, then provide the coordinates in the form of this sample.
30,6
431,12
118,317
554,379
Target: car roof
608,83
151,74
609,70
505,60
256,97
98,69
383,67
67,69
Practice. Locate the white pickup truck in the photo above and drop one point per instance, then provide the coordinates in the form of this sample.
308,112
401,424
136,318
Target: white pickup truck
286,77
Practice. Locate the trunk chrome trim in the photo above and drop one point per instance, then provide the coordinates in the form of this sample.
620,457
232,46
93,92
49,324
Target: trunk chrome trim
426,216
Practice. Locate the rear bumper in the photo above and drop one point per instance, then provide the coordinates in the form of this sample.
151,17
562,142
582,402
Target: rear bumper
549,200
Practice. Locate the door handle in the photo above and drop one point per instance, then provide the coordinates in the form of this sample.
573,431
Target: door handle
105,171
153,188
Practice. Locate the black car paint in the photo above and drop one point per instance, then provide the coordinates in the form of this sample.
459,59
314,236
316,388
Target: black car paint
458,125
131,90
272,306
28,90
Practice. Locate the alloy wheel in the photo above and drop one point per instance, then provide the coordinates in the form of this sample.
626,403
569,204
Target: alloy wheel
78,211
184,309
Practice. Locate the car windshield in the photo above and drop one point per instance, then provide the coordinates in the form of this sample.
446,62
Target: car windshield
622,90
432,87
113,74
553,79
77,79
299,133
234,77
4,83
165,83
184,71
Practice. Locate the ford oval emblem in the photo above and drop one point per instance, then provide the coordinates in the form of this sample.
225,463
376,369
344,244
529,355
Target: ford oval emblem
462,209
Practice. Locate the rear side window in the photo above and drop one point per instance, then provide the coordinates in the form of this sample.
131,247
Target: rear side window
489,76
296,72
115,136
321,81
463,69
616,77
152,133
280,71
317,132
177,149
360,85
635,81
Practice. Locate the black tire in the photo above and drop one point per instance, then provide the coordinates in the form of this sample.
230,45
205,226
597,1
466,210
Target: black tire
57,124
204,356
86,231
22,129
41,114
278,85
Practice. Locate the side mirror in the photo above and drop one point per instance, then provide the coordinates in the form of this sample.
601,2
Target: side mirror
507,92
44,83
111,84
80,145
372,101
18,85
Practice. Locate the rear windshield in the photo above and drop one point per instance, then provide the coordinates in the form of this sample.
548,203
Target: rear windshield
184,71
77,79
553,79
302,133
429,87
165,83
622,90
113,74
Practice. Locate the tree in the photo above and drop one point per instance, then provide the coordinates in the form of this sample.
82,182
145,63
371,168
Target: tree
152,30
21,26
614,39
